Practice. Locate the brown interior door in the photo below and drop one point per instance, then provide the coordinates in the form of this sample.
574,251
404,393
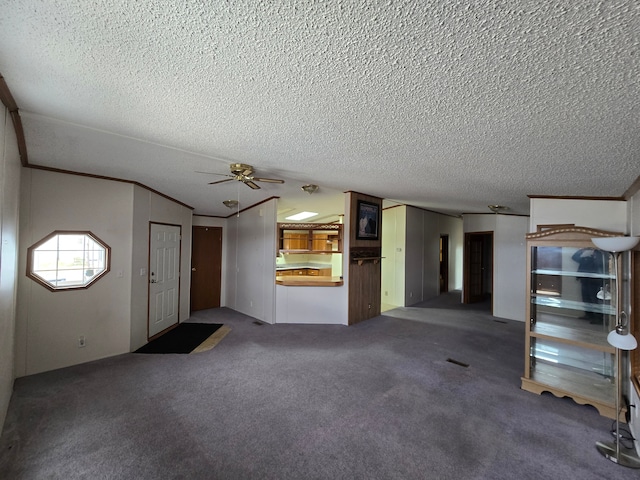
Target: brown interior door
444,263
478,260
206,267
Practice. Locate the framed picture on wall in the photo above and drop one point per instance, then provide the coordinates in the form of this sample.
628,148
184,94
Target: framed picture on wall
368,221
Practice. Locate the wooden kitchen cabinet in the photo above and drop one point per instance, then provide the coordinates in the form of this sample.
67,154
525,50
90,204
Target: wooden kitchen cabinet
294,240
325,241
309,238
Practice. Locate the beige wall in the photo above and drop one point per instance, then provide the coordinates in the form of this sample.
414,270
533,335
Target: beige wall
49,323
422,278
251,260
394,240
10,171
411,251
112,313
510,267
602,214
509,260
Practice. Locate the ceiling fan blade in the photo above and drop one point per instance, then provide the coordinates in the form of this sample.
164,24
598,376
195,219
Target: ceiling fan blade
221,181
214,173
249,183
268,180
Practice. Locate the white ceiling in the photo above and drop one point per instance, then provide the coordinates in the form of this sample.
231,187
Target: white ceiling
447,105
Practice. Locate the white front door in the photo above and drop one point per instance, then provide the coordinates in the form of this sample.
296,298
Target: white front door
164,276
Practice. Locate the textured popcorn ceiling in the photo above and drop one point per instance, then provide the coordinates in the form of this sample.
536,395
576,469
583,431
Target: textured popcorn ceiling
447,105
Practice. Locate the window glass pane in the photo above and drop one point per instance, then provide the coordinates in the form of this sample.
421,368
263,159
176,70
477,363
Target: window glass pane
68,260
94,259
50,276
51,244
71,242
91,244
44,260
70,277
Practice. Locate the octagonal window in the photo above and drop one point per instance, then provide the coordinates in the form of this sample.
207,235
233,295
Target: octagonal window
68,260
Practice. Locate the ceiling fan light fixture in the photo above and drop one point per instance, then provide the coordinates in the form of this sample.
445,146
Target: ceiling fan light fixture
497,208
231,203
309,188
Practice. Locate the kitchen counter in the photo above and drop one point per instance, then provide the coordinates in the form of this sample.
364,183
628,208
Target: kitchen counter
309,281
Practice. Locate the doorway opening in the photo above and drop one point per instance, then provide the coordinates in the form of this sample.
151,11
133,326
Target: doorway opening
444,264
478,268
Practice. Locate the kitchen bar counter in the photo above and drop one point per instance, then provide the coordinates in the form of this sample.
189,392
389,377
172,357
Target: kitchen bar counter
308,281
295,266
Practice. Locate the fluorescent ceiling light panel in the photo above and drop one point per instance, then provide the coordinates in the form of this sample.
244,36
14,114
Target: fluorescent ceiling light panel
302,216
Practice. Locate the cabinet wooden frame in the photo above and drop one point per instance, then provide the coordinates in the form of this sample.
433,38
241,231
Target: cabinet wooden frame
554,323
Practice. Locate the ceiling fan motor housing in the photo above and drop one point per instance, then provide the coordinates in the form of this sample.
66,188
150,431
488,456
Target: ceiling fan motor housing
241,169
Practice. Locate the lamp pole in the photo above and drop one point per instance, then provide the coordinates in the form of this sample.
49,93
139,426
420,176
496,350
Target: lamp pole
621,339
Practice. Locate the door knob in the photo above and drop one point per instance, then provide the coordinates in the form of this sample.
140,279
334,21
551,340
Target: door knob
193,269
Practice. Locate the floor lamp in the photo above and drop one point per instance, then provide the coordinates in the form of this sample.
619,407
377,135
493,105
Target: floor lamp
621,339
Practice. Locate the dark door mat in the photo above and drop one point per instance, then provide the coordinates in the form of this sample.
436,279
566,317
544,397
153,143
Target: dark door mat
184,338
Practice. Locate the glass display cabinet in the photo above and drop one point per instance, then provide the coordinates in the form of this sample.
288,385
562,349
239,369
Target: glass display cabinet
571,308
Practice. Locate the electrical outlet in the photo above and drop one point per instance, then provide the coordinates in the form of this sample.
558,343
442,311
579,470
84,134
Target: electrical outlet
82,342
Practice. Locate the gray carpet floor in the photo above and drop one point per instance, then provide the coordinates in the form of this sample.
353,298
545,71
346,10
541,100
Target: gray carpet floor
378,400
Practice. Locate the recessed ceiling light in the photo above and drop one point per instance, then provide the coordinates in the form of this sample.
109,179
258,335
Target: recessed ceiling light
302,216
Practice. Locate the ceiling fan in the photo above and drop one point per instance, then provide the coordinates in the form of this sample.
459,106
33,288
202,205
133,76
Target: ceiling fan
244,173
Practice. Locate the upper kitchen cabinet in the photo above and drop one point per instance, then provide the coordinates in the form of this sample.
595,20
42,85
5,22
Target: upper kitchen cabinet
310,238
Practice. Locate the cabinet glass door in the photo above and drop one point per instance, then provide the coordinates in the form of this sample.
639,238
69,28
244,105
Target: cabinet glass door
572,288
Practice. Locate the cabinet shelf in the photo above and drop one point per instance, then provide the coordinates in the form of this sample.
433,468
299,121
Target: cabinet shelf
576,274
572,336
560,303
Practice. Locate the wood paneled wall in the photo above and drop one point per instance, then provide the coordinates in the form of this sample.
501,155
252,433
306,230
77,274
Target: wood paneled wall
364,265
